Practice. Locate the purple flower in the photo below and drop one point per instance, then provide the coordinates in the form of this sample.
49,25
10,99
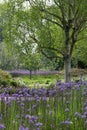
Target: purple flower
26,128
84,93
58,83
15,95
34,106
52,92
85,108
67,122
44,98
67,93
37,98
39,124
77,114
28,116
2,126
33,119
67,110
68,85
85,113
38,129
21,127
44,91
83,116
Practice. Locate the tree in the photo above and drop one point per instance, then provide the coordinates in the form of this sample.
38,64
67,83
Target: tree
18,39
44,23
71,17
1,29
8,59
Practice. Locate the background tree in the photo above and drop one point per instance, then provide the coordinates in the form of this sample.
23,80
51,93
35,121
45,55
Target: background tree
18,39
8,59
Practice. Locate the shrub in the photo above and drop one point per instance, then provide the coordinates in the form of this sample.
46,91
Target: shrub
5,78
8,84
48,81
14,83
17,82
74,72
78,72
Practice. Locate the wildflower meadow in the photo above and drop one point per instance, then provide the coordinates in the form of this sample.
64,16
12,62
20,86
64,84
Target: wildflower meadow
62,107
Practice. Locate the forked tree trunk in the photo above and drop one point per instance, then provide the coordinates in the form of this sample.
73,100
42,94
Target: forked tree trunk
67,68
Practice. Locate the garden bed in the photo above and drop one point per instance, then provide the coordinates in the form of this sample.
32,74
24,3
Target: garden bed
62,107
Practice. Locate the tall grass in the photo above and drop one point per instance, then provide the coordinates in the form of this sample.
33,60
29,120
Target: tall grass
63,107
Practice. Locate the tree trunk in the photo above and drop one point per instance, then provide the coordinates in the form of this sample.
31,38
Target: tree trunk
67,55
30,74
67,68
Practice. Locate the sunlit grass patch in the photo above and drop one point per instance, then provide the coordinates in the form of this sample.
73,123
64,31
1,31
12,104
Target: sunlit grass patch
38,81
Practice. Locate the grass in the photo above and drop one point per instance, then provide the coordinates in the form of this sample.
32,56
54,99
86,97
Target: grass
63,109
38,80
49,80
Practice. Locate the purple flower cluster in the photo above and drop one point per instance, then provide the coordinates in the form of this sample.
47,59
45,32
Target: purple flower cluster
64,105
2,126
22,128
27,72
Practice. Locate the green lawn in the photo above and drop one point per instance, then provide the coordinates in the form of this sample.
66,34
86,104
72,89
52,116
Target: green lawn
49,80
38,80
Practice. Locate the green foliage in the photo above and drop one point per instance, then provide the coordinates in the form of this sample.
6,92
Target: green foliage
5,78
80,50
38,80
8,57
54,27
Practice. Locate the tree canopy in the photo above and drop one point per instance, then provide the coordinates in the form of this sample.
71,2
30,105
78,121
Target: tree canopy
55,26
